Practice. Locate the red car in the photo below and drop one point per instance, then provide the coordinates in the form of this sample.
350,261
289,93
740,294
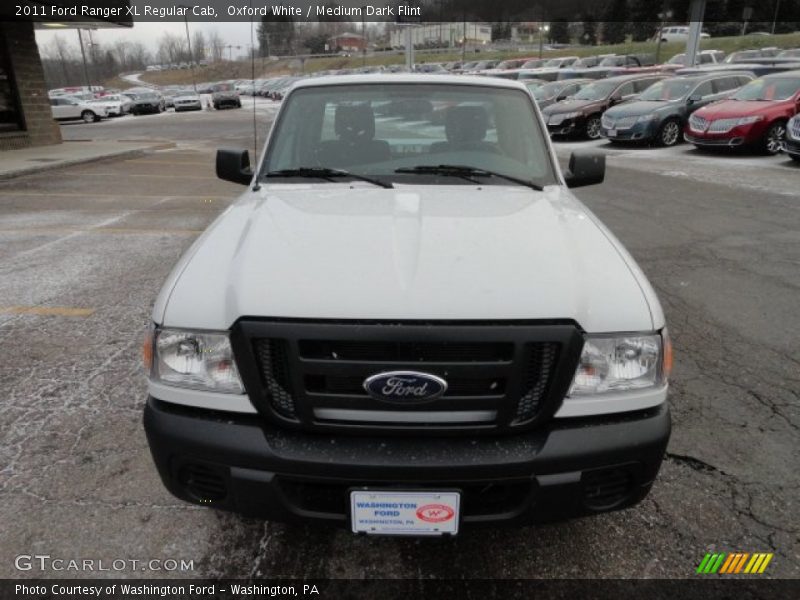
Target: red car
754,116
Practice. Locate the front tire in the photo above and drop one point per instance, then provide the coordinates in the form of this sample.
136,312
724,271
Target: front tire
593,127
669,134
89,117
795,157
773,139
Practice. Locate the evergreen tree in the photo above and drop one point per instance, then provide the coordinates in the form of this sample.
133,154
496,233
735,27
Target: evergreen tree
589,35
615,22
559,32
644,19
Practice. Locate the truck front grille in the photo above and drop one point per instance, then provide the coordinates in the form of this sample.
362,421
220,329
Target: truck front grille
311,375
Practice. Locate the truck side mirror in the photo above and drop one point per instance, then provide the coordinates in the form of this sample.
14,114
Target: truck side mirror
585,168
234,165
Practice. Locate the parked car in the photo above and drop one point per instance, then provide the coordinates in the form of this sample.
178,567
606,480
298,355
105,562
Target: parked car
735,57
473,347
790,53
755,116
660,113
187,100
704,57
792,143
581,114
147,102
65,108
551,92
116,104
677,34
610,66
429,68
225,94
534,63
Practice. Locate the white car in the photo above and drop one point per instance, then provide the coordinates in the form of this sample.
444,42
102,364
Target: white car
116,104
678,34
397,316
65,108
187,100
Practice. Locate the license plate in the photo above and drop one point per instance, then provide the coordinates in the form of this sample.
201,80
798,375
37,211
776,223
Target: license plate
612,133
404,513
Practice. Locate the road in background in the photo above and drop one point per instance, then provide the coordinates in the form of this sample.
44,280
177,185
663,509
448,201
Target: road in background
86,249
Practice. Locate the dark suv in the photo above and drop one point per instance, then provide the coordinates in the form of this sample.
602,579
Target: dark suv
580,115
225,94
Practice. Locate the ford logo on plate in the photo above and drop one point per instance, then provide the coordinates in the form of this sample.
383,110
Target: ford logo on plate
405,386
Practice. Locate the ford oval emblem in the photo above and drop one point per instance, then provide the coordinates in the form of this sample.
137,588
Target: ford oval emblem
405,386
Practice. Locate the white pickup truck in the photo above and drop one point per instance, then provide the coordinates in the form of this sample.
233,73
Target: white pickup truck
407,324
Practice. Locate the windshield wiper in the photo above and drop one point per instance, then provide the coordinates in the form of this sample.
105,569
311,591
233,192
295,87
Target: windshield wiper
326,173
468,173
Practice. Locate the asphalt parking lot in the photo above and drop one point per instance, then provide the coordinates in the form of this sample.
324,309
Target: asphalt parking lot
86,249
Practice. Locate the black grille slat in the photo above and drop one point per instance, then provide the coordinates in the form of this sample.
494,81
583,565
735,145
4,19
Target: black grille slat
406,351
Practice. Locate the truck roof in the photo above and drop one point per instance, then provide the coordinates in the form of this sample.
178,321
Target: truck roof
379,78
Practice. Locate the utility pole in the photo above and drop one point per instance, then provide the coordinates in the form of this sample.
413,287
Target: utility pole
662,16
364,36
189,44
83,56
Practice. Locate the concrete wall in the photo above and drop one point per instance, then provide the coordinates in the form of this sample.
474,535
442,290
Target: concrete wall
26,67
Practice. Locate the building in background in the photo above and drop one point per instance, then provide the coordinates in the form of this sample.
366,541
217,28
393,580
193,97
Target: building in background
25,115
442,35
347,42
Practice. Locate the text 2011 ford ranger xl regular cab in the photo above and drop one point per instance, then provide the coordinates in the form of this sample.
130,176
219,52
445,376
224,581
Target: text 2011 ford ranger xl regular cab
408,324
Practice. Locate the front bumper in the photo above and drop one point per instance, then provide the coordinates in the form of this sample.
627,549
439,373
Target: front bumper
570,468
638,132
791,146
567,127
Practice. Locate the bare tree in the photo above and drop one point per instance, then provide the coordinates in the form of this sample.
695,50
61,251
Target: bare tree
216,45
199,45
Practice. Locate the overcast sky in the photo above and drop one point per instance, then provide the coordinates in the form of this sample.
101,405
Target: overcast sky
237,34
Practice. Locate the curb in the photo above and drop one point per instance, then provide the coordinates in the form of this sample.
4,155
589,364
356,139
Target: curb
130,153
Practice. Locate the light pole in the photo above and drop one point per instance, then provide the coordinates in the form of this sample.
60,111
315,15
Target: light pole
775,17
542,30
189,44
662,17
364,37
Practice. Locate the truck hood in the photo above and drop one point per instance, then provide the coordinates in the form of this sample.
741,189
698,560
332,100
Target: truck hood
352,251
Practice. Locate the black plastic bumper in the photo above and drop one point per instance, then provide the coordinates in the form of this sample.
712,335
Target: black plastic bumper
571,468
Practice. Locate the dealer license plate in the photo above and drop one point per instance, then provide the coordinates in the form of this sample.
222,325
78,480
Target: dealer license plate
404,513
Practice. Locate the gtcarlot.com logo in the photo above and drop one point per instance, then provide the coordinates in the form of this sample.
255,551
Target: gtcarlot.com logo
732,563
45,562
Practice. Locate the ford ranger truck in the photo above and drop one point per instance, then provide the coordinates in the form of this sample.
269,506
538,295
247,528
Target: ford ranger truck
407,324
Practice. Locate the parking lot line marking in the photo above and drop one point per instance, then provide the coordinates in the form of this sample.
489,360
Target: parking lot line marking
111,230
171,162
58,311
124,195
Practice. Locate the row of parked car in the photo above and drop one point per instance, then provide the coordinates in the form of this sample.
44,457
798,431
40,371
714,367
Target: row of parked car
707,109
94,104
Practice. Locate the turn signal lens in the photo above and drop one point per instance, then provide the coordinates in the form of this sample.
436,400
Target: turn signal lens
666,368
147,351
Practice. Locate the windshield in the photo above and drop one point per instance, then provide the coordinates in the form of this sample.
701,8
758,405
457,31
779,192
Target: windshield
533,64
548,91
374,129
769,89
790,54
553,62
613,61
741,55
596,91
664,91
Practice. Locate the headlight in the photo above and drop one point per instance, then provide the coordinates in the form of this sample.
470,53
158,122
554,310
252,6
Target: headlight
621,363
198,360
749,120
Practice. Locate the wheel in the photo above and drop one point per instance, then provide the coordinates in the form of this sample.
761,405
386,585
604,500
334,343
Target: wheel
773,139
216,106
88,116
795,157
239,104
593,127
669,134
